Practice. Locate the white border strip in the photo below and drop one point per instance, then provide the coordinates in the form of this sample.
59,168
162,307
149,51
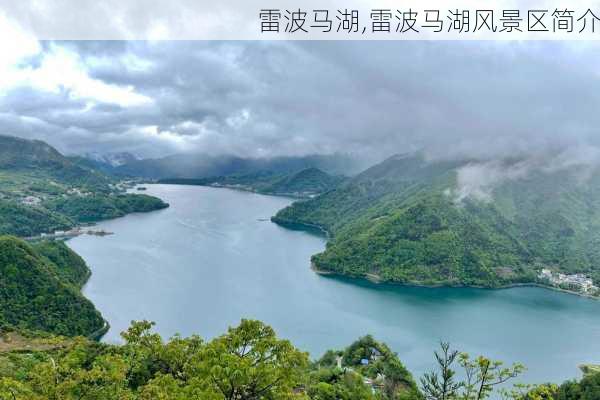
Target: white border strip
244,20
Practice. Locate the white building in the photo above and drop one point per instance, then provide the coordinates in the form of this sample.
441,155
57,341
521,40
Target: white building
31,201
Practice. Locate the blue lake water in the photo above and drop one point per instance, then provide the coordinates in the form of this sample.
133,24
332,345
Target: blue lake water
213,258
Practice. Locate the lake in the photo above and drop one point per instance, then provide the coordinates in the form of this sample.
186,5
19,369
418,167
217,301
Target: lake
214,257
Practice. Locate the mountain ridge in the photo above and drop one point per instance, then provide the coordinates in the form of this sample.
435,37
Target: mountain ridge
42,191
31,156
307,182
199,166
403,221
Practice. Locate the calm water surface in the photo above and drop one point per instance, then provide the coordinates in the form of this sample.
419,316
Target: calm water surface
213,258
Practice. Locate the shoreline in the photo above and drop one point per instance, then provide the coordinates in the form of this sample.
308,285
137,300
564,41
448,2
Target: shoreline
375,279
100,332
383,291
302,226
238,188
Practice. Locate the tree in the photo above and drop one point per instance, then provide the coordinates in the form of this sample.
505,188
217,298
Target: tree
83,371
11,389
530,392
482,375
142,351
441,386
336,384
586,389
248,363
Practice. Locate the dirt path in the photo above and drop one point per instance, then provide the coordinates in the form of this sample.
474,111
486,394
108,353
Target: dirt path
13,341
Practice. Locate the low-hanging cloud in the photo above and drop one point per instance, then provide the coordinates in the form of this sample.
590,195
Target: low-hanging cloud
478,100
478,179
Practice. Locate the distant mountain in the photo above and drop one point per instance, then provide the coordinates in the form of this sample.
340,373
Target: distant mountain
206,166
21,153
305,183
39,290
105,163
35,157
113,159
42,191
457,222
100,166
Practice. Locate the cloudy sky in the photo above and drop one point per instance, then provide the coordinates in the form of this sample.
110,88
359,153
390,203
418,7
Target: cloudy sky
156,98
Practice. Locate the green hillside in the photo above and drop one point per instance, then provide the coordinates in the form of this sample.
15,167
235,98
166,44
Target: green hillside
39,160
403,221
20,220
39,289
64,262
42,191
304,183
308,181
98,207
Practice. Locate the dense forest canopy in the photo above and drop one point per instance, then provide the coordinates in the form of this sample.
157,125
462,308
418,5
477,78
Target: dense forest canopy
410,220
249,362
39,290
95,208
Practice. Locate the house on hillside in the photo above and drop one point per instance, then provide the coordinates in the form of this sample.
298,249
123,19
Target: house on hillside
375,354
31,201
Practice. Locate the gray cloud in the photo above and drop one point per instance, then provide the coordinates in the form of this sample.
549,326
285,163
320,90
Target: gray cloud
481,99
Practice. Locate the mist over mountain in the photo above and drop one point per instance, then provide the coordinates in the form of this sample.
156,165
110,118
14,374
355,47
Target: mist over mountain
458,222
113,159
473,99
196,166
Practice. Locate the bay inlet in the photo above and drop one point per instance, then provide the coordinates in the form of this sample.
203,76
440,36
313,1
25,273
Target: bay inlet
214,257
